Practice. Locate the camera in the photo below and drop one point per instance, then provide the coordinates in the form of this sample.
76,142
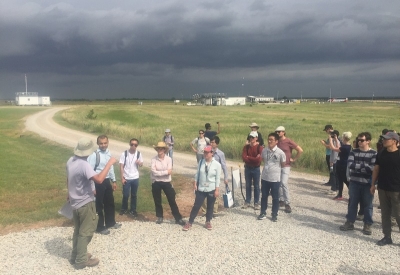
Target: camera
332,133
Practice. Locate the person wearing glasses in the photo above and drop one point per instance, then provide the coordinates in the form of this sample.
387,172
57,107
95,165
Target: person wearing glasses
198,145
105,205
129,164
360,163
206,185
287,146
387,175
161,170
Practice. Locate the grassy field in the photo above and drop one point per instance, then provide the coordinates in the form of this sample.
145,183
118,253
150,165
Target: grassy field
303,122
33,182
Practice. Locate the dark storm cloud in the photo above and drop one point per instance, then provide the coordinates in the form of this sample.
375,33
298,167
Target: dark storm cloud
164,48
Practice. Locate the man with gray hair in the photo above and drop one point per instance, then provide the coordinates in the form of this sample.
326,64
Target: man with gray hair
81,191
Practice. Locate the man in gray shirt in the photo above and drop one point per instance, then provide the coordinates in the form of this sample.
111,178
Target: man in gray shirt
274,159
80,177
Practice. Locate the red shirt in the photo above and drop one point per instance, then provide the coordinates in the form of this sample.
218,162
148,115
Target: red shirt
249,155
287,145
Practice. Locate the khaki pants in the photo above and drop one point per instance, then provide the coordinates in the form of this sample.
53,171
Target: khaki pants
204,206
85,223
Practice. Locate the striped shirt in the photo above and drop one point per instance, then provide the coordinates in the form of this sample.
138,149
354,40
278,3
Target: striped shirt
361,164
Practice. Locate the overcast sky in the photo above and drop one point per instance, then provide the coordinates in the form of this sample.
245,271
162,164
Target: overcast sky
163,49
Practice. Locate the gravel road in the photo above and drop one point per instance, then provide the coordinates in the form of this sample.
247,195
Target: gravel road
307,241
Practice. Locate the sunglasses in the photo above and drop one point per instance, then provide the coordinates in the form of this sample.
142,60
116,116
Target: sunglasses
134,144
361,140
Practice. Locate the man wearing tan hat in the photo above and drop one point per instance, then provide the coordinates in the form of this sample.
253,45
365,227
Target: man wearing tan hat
81,191
254,128
161,170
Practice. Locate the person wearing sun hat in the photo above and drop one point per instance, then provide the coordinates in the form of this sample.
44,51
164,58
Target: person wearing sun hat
161,170
80,177
169,140
254,128
206,185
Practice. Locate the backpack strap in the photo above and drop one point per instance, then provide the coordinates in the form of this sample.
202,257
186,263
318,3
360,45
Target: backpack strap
137,155
97,160
126,154
198,173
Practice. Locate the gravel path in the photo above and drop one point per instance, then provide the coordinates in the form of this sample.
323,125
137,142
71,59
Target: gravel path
307,241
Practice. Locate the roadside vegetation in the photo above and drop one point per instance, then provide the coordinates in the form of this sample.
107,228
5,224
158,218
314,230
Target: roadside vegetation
303,122
33,182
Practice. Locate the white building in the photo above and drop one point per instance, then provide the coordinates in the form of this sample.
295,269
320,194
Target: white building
259,99
234,101
31,99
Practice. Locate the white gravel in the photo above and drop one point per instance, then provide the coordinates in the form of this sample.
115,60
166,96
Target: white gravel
307,241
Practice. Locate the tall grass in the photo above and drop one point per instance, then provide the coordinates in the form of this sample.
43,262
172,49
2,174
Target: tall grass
303,122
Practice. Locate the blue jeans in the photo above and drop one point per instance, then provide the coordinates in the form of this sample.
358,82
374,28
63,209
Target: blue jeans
266,186
133,186
200,197
360,193
252,177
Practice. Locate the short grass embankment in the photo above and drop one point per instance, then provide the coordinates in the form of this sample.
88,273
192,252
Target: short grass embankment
33,182
303,122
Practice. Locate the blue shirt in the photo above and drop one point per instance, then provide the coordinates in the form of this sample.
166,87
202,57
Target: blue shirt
104,158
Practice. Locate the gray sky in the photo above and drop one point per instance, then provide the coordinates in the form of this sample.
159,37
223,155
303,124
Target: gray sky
163,49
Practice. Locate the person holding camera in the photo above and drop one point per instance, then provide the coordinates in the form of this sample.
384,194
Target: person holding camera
210,134
327,129
333,142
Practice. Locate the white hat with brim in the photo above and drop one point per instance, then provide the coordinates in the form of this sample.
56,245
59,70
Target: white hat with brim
85,147
253,134
167,131
161,144
280,128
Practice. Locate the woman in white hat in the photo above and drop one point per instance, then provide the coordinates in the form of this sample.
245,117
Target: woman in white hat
161,170
254,128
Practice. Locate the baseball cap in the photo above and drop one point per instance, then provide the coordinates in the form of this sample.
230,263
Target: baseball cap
208,148
253,134
391,135
327,127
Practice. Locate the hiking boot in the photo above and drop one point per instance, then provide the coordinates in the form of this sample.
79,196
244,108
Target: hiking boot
246,205
256,206
208,226
360,217
347,226
180,222
133,214
159,220
104,232
385,241
115,226
288,209
122,212
281,204
367,229
262,217
274,218
72,261
187,226
90,262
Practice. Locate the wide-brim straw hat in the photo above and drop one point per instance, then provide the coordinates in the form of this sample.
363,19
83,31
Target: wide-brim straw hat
161,144
254,125
85,147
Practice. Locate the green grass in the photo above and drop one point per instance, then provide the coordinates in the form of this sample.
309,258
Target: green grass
303,122
33,182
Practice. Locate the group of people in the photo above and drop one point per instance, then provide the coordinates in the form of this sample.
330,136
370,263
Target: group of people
363,170
91,180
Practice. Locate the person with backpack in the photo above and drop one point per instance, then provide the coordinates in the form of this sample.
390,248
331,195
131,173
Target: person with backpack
387,174
220,157
129,163
105,205
161,170
251,155
169,140
198,145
